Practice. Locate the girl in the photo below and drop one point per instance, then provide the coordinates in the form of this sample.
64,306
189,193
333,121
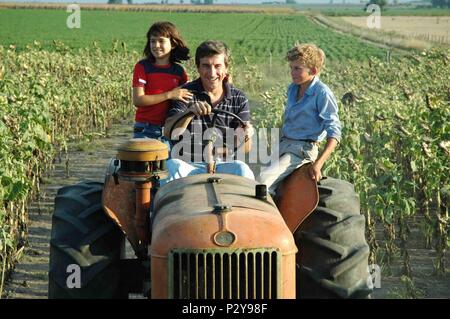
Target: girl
157,78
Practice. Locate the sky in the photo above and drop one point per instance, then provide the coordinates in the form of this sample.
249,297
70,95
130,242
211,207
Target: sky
218,1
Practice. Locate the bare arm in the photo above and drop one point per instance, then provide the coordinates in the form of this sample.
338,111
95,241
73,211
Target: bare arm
315,169
248,133
198,108
241,135
141,99
181,125
248,127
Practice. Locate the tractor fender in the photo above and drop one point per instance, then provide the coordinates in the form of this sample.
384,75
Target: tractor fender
297,197
118,201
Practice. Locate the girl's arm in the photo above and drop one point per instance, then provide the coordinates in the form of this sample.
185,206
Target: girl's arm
140,99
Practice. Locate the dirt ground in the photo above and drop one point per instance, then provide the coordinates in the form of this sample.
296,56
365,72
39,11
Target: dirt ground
89,161
435,29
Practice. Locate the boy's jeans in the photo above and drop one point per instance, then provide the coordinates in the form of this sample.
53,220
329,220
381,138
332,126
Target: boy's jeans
293,154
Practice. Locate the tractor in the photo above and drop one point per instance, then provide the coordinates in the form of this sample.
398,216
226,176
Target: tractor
207,236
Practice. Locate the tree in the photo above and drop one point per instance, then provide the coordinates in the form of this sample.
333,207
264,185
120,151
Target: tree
291,2
202,1
380,3
441,3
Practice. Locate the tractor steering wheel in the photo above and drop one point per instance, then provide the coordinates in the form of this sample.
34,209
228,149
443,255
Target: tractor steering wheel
213,124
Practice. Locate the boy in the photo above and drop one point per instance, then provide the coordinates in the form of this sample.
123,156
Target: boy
311,114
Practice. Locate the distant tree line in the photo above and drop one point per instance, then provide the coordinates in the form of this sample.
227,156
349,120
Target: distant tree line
119,1
441,3
380,3
164,1
202,1
182,1
434,3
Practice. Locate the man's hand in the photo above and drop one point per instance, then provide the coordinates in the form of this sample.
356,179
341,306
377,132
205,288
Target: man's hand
243,137
245,131
200,108
315,171
221,151
248,129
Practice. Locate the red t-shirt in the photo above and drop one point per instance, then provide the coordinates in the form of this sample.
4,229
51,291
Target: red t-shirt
156,79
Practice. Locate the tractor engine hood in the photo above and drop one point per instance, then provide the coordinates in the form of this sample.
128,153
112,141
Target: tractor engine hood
216,211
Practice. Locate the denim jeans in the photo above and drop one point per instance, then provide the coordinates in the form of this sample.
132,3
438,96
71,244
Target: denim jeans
143,130
147,130
178,169
293,154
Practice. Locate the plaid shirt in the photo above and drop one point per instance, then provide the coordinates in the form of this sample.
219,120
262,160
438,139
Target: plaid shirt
234,101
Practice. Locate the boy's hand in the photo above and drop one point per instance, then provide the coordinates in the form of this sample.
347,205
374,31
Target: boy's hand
314,171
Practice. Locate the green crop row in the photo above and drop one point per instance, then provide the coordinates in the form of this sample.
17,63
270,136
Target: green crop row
46,100
256,36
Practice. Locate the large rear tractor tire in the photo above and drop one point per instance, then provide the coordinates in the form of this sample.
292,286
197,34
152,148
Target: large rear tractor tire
84,241
332,261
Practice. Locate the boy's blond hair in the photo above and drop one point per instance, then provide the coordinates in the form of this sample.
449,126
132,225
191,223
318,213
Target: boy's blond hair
309,54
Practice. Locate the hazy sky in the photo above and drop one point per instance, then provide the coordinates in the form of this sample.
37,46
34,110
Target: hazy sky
187,1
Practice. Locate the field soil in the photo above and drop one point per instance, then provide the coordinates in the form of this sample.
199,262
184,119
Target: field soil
88,161
435,29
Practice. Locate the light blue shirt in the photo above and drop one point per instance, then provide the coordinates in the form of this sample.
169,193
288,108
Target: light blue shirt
314,116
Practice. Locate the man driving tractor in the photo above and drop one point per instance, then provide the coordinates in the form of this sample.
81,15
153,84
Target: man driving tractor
212,91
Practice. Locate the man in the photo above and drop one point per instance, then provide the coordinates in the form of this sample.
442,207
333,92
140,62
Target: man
211,91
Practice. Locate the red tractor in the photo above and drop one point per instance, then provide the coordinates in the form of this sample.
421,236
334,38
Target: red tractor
206,236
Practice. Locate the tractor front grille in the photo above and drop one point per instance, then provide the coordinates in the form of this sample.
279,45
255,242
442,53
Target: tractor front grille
224,274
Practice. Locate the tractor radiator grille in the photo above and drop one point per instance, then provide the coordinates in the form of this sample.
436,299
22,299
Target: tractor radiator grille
224,274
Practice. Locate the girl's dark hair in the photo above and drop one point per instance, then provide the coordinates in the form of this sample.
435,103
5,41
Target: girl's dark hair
180,51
